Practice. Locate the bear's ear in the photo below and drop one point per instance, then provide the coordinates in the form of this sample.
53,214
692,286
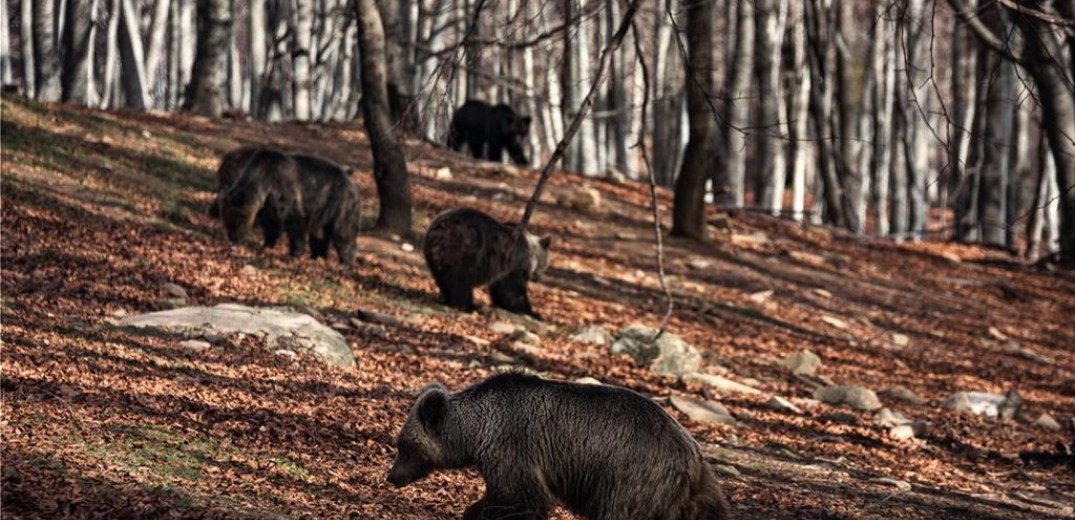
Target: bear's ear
545,242
432,406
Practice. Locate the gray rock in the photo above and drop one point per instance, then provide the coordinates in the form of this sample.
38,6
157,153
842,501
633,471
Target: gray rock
900,341
525,337
986,404
175,291
280,328
710,412
782,405
699,264
908,430
196,345
834,321
1047,422
720,384
888,418
761,296
588,381
856,397
727,470
286,353
803,363
902,394
503,327
171,303
1010,407
593,335
443,173
248,270
668,354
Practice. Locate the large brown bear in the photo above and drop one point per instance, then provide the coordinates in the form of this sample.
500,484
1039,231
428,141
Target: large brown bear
465,248
604,452
330,201
489,130
293,193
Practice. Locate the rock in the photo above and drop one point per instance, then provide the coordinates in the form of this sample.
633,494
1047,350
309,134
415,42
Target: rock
900,393
720,384
248,270
803,362
699,264
196,345
782,405
749,239
1010,407
896,483
286,353
280,328
500,358
593,335
951,257
996,334
443,173
726,469
580,197
823,293
377,317
1047,422
1014,348
976,403
120,313
856,397
807,258
615,175
503,327
171,303
407,247
709,412
525,337
588,381
834,321
761,296
175,291
889,418
623,235
525,349
901,432
900,341
668,354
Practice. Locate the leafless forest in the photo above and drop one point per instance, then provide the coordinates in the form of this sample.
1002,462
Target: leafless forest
909,119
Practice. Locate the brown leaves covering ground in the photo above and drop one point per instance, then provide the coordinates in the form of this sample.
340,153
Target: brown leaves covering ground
100,210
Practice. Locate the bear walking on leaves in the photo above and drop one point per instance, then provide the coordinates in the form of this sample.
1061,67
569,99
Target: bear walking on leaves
489,130
604,452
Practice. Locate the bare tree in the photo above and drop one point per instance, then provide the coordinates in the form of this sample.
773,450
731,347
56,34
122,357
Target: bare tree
389,166
46,54
132,59
769,188
78,43
688,212
797,110
158,28
26,48
302,27
205,94
728,181
6,74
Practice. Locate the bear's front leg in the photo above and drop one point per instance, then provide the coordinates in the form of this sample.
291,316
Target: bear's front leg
509,293
296,235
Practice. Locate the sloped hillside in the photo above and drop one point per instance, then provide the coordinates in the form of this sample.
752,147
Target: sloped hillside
101,210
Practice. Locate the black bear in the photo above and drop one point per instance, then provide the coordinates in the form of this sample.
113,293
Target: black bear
465,248
329,201
604,452
488,130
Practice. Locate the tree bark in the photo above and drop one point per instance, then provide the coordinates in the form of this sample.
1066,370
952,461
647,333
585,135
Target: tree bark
78,42
999,106
769,188
158,27
883,127
6,73
46,55
822,60
851,178
797,111
205,94
917,104
389,166
26,50
688,212
132,59
257,23
302,25
728,181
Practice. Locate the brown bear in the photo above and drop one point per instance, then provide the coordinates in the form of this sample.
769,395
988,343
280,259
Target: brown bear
268,190
465,248
604,452
329,198
489,130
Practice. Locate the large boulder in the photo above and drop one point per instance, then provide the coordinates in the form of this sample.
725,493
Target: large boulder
281,328
667,354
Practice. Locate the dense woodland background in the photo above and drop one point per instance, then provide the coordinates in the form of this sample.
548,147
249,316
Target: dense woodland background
910,119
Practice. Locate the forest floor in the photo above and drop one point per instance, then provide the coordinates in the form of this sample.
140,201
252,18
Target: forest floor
102,209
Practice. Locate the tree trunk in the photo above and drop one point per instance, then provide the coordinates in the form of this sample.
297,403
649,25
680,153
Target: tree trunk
916,105
999,106
78,42
883,123
898,210
619,123
132,59
851,178
155,48
205,94
302,26
256,26
389,166
797,111
46,55
1044,201
473,50
6,74
769,188
688,212
964,66
668,103
728,181
822,60
26,50
108,95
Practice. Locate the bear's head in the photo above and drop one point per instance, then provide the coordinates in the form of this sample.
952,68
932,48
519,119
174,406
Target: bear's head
539,255
420,449
238,207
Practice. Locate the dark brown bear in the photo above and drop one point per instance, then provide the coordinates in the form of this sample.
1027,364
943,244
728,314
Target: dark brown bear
465,248
489,130
330,201
268,190
604,452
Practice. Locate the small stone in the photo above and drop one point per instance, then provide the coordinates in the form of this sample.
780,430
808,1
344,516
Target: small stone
248,270
1047,422
710,412
583,198
286,353
175,291
901,432
214,338
503,327
377,317
889,418
900,393
119,313
500,358
663,352
468,198
996,334
699,264
481,342
443,173
720,384
856,397
823,293
407,247
951,257
803,362
782,405
623,235
526,337
761,296
834,321
749,239
171,303
807,258
726,469
896,483
588,381
196,345
592,335
900,340
976,403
